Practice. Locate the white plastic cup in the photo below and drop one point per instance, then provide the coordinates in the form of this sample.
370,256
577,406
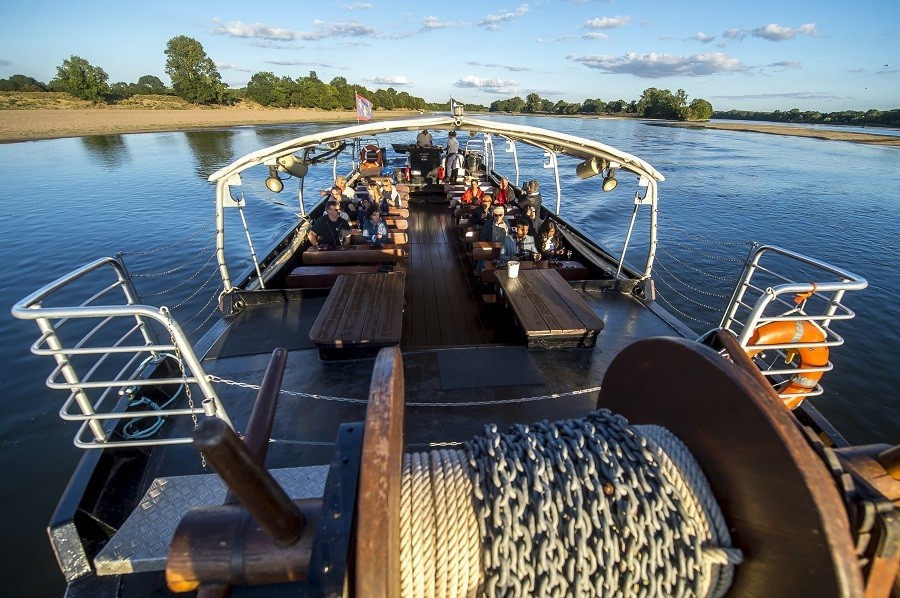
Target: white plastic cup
513,269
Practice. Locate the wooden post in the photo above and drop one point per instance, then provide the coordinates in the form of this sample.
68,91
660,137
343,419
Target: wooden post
378,503
249,481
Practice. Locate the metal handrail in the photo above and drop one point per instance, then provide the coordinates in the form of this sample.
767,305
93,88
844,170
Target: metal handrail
761,297
92,341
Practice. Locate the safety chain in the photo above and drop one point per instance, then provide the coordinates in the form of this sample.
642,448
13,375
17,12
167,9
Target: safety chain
173,245
580,507
187,386
710,241
214,378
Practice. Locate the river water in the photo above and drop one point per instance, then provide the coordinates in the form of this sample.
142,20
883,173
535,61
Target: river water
69,201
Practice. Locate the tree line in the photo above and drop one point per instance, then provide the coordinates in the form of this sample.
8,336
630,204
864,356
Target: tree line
196,79
883,118
653,103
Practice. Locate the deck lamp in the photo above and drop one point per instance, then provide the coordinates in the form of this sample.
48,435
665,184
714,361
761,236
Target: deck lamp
609,181
290,163
273,183
590,168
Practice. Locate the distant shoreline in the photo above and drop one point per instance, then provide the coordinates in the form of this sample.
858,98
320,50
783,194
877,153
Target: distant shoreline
794,131
18,125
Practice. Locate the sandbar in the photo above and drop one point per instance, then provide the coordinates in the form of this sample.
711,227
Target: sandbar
36,124
17,125
776,129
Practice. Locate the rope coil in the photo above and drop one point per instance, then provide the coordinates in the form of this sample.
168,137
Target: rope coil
589,506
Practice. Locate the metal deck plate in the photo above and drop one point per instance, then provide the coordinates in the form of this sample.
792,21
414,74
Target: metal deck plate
142,543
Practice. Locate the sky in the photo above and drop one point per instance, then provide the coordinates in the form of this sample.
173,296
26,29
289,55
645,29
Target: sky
763,55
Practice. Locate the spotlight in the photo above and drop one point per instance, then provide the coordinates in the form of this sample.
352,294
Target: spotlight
273,183
291,164
590,168
609,181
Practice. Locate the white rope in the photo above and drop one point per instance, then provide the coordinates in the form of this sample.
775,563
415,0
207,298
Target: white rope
685,475
443,540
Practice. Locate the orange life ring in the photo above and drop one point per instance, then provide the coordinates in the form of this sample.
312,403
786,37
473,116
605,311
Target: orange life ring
366,153
798,331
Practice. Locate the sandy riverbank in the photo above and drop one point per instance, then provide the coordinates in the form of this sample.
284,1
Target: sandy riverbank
34,124
31,125
775,129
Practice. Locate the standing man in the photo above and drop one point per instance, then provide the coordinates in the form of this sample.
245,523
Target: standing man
330,228
452,152
424,139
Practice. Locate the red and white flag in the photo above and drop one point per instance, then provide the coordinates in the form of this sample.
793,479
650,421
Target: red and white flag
363,108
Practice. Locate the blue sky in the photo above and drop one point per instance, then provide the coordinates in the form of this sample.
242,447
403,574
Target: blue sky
763,55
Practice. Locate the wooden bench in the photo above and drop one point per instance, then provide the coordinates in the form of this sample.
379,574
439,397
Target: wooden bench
354,254
396,238
362,313
549,311
322,277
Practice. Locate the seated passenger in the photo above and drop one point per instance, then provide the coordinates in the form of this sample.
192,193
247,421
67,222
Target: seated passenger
424,139
473,194
481,214
519,245
362,212
505,195
388,190
344,203
497,229
533,195
529,214
374,229
329,229
549,242
347,191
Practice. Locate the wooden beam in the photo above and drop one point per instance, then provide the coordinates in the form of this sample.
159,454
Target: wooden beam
378,504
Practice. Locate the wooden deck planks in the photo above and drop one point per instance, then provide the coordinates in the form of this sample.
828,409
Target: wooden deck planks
441,308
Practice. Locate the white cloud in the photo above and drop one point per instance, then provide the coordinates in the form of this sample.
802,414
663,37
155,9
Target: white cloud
434,23
492,22
796,95
702,38
323,31
487,85
508,67
359,6
654,66
594,35
227,66
324,65
395,80
785,64
607,22
773,32
5,62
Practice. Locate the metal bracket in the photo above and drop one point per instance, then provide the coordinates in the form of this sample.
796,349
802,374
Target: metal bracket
331,547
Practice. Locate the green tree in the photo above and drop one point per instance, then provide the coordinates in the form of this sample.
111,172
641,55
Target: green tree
194,75
21,83
152,84
700,109
81,79
532,103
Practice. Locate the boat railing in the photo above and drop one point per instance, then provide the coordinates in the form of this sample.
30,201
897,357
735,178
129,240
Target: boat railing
778,285
124,364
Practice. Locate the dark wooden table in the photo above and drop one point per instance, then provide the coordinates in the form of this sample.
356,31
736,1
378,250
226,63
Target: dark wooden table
354,254
362,311
550,312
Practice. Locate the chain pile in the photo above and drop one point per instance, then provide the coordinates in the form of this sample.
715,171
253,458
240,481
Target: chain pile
588,506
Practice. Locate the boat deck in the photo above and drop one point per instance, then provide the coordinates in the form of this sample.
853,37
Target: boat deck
465,363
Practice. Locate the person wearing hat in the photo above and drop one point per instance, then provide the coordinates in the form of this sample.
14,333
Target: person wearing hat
424,139
497,229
